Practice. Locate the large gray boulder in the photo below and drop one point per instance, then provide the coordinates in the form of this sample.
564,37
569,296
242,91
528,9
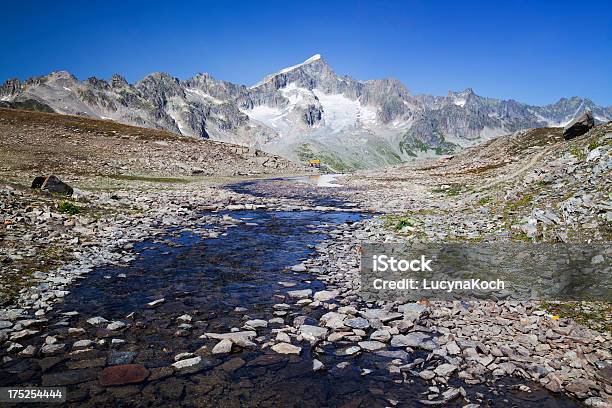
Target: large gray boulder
579,126
52,184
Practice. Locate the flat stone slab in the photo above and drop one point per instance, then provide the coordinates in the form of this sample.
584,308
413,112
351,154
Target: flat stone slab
223,347
68,377
232,365
380,314
325,295
266,360
300,294
357,323
187,363
286,348
371,345
121,357
333,320
415,339
315,332
444,370
232,336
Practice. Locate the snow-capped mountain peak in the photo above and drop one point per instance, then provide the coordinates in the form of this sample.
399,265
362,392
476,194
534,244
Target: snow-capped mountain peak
316,57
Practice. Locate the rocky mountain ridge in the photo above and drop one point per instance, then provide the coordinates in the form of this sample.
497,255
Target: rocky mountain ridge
301,112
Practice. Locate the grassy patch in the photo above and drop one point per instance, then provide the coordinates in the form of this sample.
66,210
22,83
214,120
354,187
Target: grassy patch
536,137
151,179
525,200
482,169
411,144
578,152
18,274
594,145
398,222
595,315
66,207
451,191
484,200
520,236
403,222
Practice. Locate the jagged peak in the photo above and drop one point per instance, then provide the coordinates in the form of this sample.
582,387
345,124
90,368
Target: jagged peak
465,92
314,58
62,74
461,98
162,77
159,74
118,80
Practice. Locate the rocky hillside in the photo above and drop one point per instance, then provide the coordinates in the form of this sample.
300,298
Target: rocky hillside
300,112
531,185
33,143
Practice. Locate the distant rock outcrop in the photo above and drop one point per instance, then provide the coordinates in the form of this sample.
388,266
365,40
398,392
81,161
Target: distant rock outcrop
579,126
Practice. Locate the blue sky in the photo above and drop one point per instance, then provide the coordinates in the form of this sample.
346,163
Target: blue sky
534,52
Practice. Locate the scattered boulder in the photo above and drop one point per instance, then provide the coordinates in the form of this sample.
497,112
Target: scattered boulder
255,324
283,337
333,320
579,126
52,184
298,268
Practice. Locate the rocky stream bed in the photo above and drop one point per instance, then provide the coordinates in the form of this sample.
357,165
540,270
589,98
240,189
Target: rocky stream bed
259,307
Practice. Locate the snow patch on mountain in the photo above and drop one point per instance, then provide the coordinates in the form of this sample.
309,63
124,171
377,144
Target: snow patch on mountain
267,115
343,114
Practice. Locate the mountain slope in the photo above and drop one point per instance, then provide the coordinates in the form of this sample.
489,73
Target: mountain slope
300,112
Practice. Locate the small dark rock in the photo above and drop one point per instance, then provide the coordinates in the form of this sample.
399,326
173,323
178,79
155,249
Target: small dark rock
68,377
121,357
172,389
159,373
96,362
232,365
49,362
124,392
266,360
